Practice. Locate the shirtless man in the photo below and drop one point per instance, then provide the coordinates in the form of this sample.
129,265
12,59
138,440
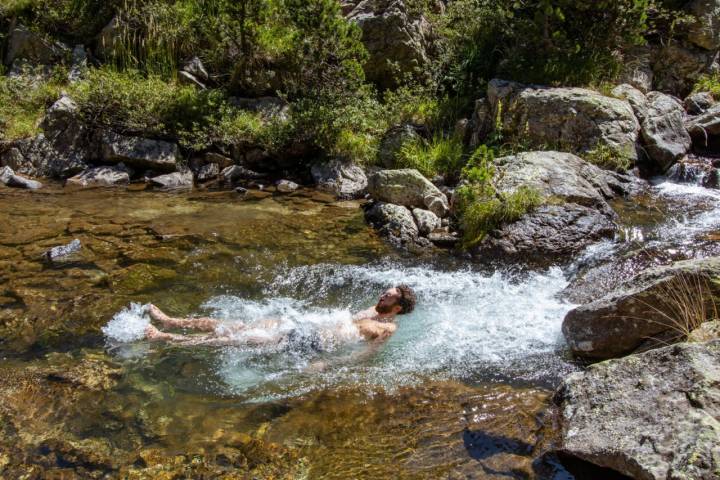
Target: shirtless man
377,323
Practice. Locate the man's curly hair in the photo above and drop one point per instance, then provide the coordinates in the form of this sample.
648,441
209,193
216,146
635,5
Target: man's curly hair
407,299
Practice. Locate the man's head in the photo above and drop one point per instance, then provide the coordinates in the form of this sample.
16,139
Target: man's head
397,300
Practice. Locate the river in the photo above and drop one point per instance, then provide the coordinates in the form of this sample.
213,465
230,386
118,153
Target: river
462,390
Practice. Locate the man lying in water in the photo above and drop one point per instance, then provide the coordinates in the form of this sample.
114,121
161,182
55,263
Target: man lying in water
374,324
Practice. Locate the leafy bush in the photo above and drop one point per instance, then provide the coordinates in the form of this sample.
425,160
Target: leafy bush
709,83
442,155
136,103
480,207
23,101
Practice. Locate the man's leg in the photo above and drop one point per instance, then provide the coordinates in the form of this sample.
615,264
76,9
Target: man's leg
199,324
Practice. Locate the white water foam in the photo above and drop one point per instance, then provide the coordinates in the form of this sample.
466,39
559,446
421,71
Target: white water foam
128,325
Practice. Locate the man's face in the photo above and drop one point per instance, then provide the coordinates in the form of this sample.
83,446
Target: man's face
388,300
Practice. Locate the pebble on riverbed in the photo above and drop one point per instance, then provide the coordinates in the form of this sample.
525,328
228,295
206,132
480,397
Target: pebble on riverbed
61,252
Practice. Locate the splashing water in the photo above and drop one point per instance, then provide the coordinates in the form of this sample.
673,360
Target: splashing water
128,325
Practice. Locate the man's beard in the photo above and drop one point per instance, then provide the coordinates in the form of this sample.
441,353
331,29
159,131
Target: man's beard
383,309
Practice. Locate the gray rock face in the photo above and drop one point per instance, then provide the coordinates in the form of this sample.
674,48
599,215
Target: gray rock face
677,68
551,231
173,181
705,128
705,30
637,69
393,141
30,46
100,177
426,221
665,138
654,416
394,222
58,253
139,152
637,99
343,179
562,175
571,119
11,179
397,41
641,309
235,173
407,187
698,103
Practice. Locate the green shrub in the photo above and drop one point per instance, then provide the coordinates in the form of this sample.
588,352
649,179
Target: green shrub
709,83
480,207
442,155
23,101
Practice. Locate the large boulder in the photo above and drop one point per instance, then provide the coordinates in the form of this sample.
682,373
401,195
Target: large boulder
654,416
635,97
653,305
705,30
575,211
139,152
665,138
407,187
182,180
569,119
343,179
394,222
397,40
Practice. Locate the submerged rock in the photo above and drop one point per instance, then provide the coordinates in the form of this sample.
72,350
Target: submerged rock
59,253
570,119
139,152
652,305
407,187
663,131
343,179
654,416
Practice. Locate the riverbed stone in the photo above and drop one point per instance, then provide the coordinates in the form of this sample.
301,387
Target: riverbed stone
208,172
407,187
570,119
174,181
665,138
286,186
395,222
426,221
108,176
654,416
698,103
641,309
62,251
705,128
139,152
11,179
236,173
341,178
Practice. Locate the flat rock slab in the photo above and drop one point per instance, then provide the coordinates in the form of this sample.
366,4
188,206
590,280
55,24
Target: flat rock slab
654,416
139,152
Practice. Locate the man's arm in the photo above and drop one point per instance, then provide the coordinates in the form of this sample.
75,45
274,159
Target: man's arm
374,330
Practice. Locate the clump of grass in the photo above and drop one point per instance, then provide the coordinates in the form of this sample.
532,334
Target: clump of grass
23,100
685,303
709,83
442,155
604,156
481,207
